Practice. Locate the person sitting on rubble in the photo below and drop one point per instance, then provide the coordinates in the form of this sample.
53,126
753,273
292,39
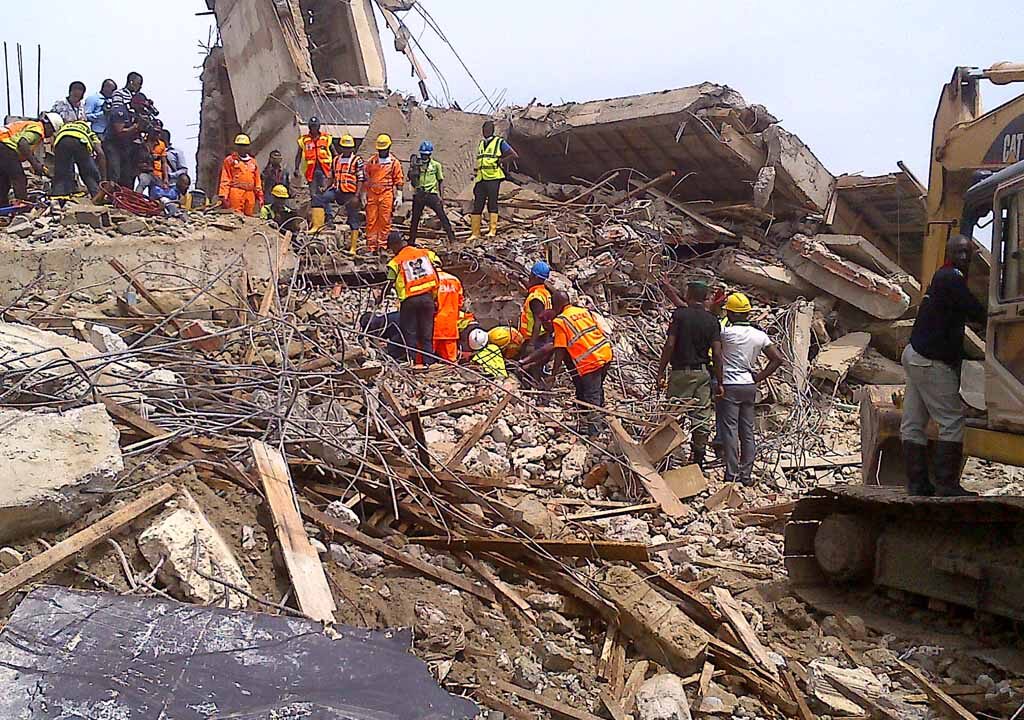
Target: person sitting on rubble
742,345
176,197
413,273
18,143
486,354
693,335
76,146
152,170
279,211
389,328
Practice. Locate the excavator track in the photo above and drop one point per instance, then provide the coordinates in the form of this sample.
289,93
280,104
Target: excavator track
964,551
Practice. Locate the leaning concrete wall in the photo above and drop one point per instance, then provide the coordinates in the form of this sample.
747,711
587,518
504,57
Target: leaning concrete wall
218,121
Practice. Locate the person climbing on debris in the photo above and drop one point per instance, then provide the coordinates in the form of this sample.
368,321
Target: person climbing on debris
18,143
486,354
241,188
742,345
428,187
492,155
693,335
581,346
413,273
279,211
538,299
509,339
932,361
348,178
314,156
75,145
384,181
450,297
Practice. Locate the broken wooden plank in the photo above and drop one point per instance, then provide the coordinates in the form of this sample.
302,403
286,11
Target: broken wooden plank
144,292
691,603
663,440
594,549
726,496
641,465
473,436
498,585
636,678
798,697
612,706
703,683
820,463
435,572
937,694
496,703
686,482
557,709
876,708
448,407
303,562
734,616
84,539
614,512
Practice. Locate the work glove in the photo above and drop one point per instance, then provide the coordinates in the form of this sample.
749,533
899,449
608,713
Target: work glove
398,199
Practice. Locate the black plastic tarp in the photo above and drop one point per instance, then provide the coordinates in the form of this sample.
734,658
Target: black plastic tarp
70,655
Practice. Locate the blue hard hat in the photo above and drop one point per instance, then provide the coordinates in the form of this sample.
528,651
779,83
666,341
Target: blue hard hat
541,269
426,147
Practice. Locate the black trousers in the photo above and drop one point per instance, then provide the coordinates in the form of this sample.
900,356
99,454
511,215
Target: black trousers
12,177
416,320
122,163
486,192
590,389
433,201
68,154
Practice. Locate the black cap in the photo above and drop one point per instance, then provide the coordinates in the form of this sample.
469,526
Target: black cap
314,121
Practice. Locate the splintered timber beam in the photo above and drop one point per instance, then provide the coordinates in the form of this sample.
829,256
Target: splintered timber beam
641,465
474,435
595,549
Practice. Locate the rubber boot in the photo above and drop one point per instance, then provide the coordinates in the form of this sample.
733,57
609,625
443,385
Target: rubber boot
353,242
474,224
493,231
697,456
949,460
915,462
317,218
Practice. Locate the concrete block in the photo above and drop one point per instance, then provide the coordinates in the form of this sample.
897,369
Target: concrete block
837,358
186,540
10,558
657,627
763,275
134,226
863,252
874,368
663,697
53,467
865,290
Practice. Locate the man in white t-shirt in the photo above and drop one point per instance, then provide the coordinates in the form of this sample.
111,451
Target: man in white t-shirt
742,345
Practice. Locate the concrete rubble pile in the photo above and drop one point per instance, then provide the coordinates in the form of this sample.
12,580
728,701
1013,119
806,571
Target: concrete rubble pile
281,462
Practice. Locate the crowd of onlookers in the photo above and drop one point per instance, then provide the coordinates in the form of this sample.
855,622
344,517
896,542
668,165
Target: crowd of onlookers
114,134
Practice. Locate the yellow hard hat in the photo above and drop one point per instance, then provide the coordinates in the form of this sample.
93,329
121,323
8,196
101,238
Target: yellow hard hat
738,303
242,139
279,191
383,141
500,336
347,141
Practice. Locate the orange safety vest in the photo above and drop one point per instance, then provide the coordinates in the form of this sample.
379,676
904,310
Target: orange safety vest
316,152
384,177
415,270
346,179
159,153
578,332
526,318
449,306
11,131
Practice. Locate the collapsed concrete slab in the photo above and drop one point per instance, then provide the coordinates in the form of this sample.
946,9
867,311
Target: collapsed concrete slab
837,358
874,368
890,338
183,544
54,467
867,255
657,627
863,289
770,277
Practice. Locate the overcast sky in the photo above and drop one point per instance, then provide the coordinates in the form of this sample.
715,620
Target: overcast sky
858,81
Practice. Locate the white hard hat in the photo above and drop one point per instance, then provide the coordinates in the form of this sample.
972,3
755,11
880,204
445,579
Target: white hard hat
478,339
55,120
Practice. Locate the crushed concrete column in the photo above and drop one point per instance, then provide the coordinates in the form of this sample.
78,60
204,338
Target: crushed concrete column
837,358
763,275
659,628
184,540
54,467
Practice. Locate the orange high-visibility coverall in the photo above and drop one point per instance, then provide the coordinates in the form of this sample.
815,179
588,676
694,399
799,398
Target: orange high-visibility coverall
383,178
446,319
240,185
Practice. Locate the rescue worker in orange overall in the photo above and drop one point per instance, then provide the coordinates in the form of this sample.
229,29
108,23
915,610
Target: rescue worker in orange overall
384,181
315,157
241,188
450,297
413,272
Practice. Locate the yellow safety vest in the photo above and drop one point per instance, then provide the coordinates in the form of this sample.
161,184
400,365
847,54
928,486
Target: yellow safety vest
526,318
81,131
491,361
11,134
487,156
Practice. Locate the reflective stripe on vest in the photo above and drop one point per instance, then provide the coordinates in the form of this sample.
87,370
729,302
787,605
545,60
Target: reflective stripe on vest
9,133
316,152
491,359
345,178
526,319
80,130
418,272
487,156
587,344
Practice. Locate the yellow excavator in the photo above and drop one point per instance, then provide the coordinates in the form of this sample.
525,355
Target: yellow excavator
964,551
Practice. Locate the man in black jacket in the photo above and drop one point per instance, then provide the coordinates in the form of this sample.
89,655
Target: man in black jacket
932,362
